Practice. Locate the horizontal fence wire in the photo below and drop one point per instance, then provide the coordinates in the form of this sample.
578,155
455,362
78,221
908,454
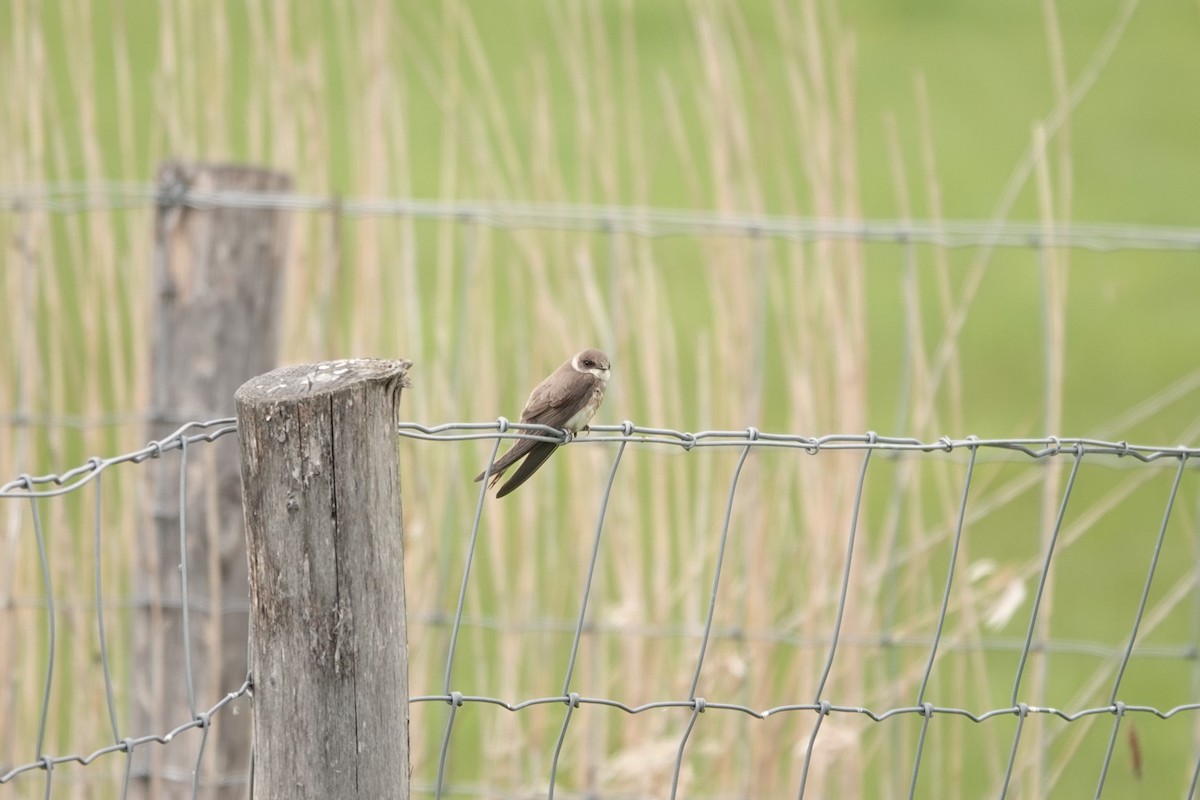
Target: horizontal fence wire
126,745
70,198
1033,447
24,486
77,477
36,488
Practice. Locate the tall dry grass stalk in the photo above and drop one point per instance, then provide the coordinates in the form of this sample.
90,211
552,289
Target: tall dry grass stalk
717,332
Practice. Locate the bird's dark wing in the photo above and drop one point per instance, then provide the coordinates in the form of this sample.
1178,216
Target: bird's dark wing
538,454
554,402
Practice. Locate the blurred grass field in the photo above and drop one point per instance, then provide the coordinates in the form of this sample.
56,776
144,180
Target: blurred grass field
860,109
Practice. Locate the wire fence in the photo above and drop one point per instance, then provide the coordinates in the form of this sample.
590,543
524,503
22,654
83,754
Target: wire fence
724,592
72,198
868,444
810,709
36,490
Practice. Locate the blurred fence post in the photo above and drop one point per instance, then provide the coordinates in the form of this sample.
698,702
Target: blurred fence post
328,643
218,279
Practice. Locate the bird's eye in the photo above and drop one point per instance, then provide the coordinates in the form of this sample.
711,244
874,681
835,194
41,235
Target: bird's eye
587,362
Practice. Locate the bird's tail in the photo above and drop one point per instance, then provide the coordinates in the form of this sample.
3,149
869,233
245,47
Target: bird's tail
495,476
505,461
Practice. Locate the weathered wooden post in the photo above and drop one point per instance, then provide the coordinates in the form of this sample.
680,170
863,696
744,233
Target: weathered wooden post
328,643
218,280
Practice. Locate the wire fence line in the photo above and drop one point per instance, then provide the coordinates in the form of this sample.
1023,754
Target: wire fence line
37,489
26,485
126,745
626,432
748,440
71,198
77,477
446,701
1034,447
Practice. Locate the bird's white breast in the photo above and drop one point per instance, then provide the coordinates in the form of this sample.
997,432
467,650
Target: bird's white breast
585,414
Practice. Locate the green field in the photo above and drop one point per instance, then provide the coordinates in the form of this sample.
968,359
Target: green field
860,110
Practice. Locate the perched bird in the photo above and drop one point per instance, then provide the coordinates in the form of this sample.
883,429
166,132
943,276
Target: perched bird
568,399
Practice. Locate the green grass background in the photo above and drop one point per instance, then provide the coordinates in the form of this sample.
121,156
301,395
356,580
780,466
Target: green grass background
879,110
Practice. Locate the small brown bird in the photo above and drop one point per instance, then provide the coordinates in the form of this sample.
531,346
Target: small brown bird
568,399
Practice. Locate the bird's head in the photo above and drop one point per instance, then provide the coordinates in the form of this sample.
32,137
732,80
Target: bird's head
592,361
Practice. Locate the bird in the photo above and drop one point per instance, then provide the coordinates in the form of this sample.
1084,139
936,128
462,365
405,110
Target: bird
568,400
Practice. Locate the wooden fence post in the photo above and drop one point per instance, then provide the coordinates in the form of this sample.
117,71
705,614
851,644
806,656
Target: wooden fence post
328,643
218,277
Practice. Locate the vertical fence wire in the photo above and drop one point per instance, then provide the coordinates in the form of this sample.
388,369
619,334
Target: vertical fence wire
51,628
1022,715
1145,598
716,580
455,700
572,704
591,571
49,767
185,598
1194,647
850,539
1118,716
98,554
1047,559
841,609
470,557
954,546
1118,706
822,713
926,716
698,704
205,727
572,698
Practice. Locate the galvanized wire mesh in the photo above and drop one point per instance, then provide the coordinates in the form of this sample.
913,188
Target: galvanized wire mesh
442,701
27,494
31,492
819,706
